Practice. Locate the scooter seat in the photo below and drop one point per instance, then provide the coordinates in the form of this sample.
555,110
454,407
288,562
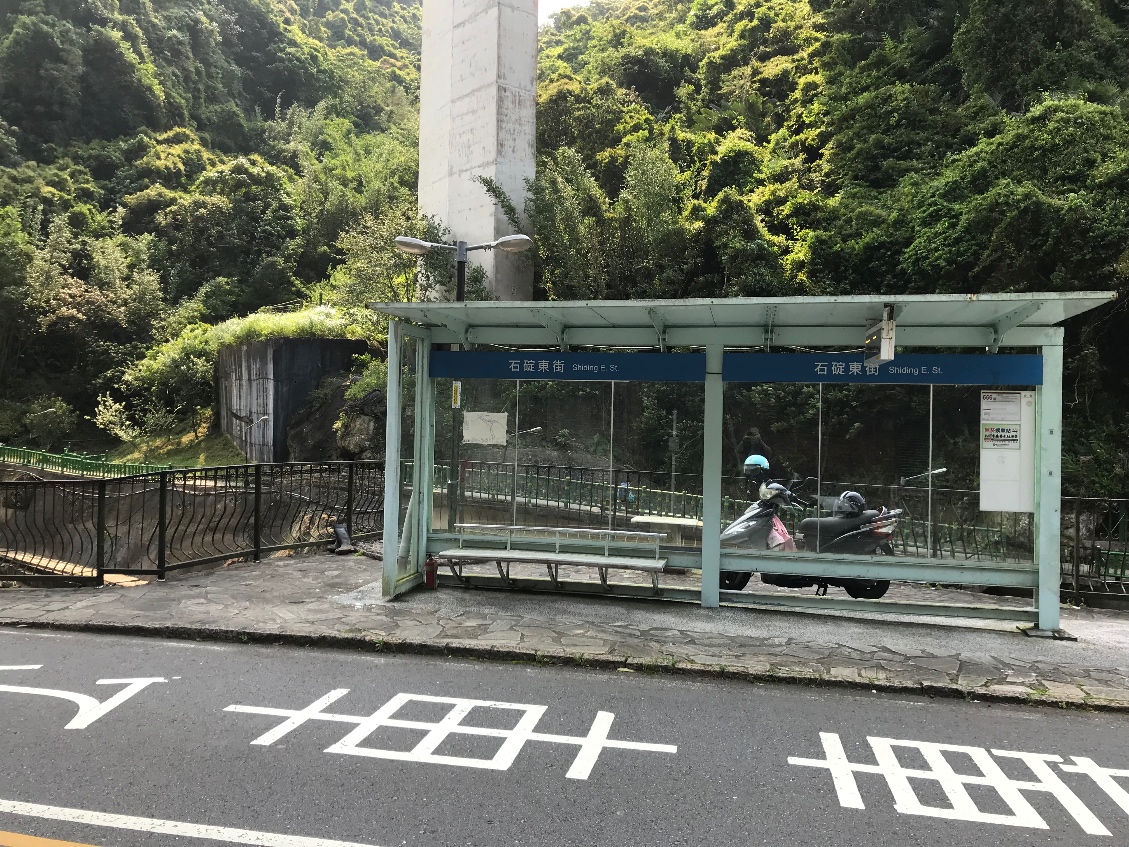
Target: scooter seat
834,527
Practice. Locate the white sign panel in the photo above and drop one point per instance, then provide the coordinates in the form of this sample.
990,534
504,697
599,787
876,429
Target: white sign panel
1007,451
998,406
484,428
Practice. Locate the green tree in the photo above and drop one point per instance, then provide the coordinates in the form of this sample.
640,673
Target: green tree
41,77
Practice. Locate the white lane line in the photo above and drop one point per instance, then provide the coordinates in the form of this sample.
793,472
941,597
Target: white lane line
20,667
8,629
188,830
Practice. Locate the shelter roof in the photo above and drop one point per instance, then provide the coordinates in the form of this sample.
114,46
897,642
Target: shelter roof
594,321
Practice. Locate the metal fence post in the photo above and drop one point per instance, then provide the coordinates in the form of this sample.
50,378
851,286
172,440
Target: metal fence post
100,528
162,525
349,501
257,528
1077,537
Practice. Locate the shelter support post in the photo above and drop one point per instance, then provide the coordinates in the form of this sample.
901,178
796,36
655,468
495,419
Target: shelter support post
392,463
1048,484
711,479
423,469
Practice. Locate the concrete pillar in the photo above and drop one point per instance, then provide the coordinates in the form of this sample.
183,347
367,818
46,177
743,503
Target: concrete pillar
1048,484
392,462
478,96
711,478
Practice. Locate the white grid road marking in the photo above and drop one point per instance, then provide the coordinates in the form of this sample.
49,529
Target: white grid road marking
962,806
514,740
1104,777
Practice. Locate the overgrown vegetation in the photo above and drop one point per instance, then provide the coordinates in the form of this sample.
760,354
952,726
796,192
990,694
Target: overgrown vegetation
766,147
168,166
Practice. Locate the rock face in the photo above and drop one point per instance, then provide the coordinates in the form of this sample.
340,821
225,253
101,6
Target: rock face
361,433
310,436
329,428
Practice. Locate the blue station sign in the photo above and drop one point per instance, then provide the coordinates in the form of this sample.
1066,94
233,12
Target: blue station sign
541,364
914,369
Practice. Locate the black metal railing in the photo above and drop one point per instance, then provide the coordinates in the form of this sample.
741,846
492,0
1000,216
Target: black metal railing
1095,545
149,524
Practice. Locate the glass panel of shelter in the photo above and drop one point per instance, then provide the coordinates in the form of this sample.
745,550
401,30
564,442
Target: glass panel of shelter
594,454
410,503
583,454
913,448
627,456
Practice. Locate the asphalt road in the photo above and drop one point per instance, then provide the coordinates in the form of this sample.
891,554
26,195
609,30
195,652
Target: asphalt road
170,756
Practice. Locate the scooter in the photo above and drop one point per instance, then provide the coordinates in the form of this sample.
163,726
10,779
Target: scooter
863,532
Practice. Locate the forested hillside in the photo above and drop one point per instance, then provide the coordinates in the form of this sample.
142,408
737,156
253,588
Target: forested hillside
761,147
167,162
170,162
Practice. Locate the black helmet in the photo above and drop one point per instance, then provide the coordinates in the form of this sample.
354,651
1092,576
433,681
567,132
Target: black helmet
850,503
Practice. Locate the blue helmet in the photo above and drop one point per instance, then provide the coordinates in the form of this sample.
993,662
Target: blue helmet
756,468
756,461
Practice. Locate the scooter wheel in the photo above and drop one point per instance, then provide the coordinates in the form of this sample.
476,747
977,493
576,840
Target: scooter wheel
868,589
734,580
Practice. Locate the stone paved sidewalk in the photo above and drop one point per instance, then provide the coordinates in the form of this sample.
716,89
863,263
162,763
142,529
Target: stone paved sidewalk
335,601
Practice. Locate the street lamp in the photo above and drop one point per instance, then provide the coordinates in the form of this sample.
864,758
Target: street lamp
906,479
513,499
418,247
929,497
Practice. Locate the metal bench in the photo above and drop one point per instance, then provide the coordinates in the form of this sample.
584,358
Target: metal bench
617,550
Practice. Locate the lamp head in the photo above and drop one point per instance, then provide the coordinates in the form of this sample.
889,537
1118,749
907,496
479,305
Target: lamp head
414,246
513,243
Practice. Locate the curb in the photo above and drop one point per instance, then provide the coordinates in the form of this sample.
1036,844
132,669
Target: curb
468,650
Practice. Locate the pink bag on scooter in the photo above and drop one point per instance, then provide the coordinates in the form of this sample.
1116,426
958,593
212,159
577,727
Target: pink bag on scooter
779,537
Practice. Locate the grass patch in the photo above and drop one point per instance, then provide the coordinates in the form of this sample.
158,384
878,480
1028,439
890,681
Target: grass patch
189,446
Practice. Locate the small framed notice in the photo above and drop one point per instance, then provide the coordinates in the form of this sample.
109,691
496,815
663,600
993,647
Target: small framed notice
999,436
1007,451
484,428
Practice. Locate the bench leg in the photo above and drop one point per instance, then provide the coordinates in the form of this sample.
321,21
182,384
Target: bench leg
457,572
604,578
655,582
504,574
554,572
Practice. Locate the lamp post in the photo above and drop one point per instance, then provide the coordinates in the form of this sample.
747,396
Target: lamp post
929,512
507,243
419,247
513,489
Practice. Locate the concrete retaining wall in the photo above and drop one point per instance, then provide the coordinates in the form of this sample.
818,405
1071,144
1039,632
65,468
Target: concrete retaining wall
260,385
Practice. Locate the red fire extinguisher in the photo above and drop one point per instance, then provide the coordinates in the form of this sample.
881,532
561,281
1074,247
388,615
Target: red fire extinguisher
429,569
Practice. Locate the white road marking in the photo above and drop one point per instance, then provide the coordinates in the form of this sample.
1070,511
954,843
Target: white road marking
10,630
268,738
961,805
514,740
89,709
20,667
163,827
1103,777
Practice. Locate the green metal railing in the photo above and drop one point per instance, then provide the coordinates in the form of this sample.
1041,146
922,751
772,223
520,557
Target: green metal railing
74,464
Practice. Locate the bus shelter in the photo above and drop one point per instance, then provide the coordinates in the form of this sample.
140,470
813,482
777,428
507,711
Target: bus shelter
998,341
